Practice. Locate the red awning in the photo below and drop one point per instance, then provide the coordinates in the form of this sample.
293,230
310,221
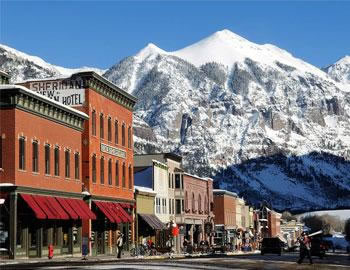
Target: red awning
82,209
39,213
46,207
122,212
115,212
55,205
105,210
66,206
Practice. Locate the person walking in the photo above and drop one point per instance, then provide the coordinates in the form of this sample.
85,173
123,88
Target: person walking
305,246
119,244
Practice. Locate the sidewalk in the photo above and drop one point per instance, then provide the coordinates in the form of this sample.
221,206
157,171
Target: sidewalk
59,261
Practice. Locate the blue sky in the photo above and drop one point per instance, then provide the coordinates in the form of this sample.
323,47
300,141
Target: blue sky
99,34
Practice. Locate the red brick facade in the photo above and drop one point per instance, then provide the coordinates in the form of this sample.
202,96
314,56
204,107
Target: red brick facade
225,208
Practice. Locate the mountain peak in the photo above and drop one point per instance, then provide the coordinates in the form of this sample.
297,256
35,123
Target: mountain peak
227,35
150,49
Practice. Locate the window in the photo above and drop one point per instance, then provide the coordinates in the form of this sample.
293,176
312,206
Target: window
117,173
1,151
183,205
129,137
130,177
93,122
186,200
164,206
170,206
67,163
102,170
172,181
169,179
77,166
110,172
101,126
177,180
123,134
57,161
22,153
35,156
173,206
178,206
93,168
109,129
193,203
205,204
123,175
158,205
116,132
182,181
199,203
47,159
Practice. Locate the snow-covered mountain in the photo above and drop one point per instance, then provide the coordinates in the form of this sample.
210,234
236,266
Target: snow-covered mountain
340,70
257,119
21,66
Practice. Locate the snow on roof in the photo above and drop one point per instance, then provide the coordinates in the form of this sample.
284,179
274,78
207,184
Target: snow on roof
33,93
196,176
225,192
145,189
159,163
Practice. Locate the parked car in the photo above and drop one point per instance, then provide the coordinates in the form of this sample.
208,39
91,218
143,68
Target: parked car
271,245
318,247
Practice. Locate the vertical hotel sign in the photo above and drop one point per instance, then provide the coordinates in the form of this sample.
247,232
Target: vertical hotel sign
67,92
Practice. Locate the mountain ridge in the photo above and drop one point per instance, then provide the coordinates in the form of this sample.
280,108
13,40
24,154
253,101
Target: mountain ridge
244,122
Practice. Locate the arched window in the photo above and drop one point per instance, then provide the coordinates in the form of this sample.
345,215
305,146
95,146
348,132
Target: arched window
123,176
101,126
102,170
110,172
117,173
205,204
116,128
123,135
186,200
193,203
129,137
93,122
130,177
109,129
199,203
93,169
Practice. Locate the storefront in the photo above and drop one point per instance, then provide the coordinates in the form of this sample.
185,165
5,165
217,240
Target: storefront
33,220
111,217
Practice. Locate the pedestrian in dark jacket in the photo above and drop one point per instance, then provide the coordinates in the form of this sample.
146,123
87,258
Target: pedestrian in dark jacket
305,247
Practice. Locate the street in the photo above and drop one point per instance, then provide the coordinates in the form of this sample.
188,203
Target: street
253,261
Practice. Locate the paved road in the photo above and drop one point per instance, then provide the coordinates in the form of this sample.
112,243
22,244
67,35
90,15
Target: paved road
244,262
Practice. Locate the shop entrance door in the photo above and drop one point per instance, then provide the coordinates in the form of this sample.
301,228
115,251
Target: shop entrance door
99,243
33,240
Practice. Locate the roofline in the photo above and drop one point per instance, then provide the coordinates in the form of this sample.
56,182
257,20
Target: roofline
165,154
224,192
104,80
198,177
24,90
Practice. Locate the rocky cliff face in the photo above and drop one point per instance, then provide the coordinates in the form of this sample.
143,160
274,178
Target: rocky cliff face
258,120
340,70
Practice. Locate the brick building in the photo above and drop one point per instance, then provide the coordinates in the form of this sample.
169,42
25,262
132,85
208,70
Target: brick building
225,216
40,175
107,153
198,208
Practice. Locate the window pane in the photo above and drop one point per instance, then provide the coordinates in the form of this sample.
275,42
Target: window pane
102,171
123,135
35,160
93,123
110,172
77,166
117,173
109,129
94,169
67,164
116,135
123,176
101,126
47,159
22,154
57,161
